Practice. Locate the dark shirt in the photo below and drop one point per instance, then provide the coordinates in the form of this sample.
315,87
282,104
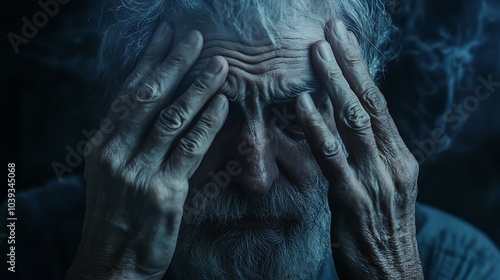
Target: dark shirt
50,219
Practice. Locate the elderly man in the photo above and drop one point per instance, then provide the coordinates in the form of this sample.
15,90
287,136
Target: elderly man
250,141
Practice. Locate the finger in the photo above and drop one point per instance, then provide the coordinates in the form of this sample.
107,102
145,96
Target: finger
191,149
348,53
353,122
324,145
136,112
154,54
174,119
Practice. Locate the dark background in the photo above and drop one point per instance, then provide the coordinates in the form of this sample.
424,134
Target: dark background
50,94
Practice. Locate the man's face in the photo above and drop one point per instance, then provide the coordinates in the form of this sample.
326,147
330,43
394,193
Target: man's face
257,205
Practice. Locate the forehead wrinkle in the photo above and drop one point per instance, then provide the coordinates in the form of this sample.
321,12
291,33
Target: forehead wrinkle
258,64
288,43
275,88
248,50
233,90
279,71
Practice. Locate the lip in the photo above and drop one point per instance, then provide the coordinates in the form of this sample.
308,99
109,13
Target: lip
251,223
255,223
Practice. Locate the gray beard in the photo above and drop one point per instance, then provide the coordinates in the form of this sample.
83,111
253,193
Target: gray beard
296,251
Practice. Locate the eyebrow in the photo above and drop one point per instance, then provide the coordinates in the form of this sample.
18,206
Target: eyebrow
311,86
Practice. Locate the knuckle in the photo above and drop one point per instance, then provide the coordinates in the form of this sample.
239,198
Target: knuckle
374,98
172,118
334,74
162,200
413,167
330,147
138,75
134,175
151,54
190,145
109,161
407,173
176,60
352,56
148,92
200,85
356,117
207,121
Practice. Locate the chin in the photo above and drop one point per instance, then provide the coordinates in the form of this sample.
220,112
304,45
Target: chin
283,235
293,250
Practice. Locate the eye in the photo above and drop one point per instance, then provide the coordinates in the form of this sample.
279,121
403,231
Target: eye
284,118
294,129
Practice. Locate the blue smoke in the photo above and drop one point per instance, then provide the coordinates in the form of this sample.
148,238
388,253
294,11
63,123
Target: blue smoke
69,41
447,44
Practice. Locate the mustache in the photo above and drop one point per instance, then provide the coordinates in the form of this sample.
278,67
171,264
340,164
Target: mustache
284,201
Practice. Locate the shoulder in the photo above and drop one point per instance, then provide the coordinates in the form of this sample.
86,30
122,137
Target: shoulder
48,227
451,248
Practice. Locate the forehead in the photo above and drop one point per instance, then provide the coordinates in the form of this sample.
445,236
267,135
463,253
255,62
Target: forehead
259,67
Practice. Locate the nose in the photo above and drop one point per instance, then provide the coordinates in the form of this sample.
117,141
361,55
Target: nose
256,153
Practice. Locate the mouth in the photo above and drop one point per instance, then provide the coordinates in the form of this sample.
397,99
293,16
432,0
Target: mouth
248,223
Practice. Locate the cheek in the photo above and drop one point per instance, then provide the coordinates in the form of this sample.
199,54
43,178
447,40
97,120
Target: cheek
294,156
295,161
215,160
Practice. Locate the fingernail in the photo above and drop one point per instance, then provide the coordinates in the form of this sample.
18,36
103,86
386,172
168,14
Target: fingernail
161,31
214,65
220,103
192,38
325,51
341,31
306,102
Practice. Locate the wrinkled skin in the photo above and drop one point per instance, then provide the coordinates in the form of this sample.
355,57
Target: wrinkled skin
140,173
373,192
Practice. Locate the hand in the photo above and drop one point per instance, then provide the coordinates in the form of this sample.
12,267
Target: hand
373,191
141,159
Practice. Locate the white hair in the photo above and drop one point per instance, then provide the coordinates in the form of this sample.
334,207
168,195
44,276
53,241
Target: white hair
127,25
295,251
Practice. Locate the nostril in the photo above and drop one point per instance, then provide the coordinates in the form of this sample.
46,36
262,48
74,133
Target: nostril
259,174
